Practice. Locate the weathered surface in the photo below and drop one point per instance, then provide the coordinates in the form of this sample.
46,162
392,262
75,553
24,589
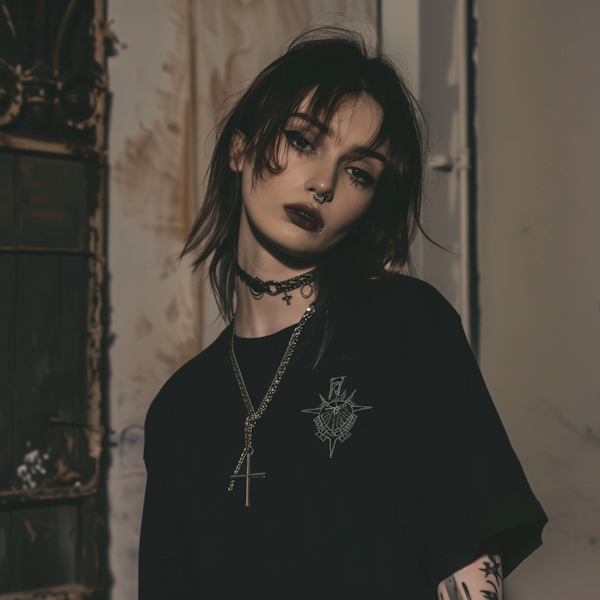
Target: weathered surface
155,303
52,134
63,592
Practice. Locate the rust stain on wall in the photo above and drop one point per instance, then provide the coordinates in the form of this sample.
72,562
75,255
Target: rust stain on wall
172,312
143,327
152,171
142,376
179,352
234,48
155,181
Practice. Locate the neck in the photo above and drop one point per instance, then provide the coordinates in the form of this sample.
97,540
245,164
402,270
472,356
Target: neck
268,314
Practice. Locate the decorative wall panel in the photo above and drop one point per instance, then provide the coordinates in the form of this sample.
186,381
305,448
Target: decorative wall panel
52,168
52,79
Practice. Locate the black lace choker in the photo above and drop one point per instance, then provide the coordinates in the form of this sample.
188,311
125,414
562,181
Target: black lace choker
258,287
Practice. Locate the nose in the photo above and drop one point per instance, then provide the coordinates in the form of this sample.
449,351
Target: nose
321,182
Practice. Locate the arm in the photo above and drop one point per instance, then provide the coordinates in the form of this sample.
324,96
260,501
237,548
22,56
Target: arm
481,580
159,543
162,552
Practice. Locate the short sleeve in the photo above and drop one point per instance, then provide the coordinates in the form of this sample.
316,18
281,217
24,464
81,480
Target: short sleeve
466,493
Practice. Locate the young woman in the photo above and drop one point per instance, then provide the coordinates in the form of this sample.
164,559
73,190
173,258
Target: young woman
337,441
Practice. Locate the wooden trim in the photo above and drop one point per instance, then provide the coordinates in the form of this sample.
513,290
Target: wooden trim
62,592
17,142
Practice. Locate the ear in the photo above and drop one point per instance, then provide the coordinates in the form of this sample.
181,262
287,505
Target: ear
236,152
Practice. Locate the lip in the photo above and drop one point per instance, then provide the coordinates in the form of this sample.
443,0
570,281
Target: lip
312,222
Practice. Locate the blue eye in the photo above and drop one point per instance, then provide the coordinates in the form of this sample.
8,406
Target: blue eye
297,141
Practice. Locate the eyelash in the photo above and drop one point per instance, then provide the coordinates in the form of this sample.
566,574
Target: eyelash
293,137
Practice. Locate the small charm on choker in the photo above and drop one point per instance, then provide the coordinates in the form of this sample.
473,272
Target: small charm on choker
310,291
258,287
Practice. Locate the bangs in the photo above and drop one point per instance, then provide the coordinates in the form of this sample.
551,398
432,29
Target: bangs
324,103
331,75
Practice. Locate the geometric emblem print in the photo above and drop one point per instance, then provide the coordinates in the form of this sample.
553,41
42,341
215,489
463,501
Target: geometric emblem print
336,415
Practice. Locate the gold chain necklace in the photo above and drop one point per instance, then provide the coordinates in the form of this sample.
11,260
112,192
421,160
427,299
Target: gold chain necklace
255,415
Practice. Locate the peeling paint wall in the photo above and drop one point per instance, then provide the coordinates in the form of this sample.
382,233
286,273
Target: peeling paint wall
154,299
177,61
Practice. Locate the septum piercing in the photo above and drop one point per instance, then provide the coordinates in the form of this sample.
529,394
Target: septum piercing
319,199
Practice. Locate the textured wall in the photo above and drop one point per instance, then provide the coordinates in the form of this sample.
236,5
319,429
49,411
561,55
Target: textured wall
539,93
154,304
182,59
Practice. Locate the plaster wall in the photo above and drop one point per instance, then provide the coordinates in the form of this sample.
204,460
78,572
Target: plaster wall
440,78
538,131
153,298
400,24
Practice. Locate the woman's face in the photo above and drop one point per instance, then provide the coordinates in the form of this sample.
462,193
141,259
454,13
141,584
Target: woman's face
282,210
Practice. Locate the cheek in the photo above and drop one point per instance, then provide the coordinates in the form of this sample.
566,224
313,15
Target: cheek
254,199
264,192
248,192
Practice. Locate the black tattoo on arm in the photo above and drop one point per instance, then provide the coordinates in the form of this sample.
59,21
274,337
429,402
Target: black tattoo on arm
492,569
493,577
466,591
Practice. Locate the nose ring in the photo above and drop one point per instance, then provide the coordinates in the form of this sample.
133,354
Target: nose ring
319,199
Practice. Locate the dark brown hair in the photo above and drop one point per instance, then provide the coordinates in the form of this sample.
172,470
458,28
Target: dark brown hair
331,66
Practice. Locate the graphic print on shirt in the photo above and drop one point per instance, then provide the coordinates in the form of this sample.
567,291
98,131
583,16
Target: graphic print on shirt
336,415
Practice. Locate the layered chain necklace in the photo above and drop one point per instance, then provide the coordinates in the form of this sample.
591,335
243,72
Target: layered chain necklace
255,415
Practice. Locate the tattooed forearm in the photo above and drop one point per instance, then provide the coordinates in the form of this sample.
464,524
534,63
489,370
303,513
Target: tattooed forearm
482,580
466,589
492,568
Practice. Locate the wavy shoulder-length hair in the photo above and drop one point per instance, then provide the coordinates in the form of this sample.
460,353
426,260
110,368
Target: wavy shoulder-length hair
331,67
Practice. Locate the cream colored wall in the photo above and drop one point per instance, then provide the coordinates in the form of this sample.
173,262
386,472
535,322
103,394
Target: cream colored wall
153,299
539,213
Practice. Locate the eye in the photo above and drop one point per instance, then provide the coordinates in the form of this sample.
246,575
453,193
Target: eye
297,141
360,177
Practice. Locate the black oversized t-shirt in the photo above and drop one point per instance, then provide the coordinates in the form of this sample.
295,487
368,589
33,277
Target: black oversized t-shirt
387,467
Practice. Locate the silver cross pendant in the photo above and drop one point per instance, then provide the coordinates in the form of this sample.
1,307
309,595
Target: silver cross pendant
248,475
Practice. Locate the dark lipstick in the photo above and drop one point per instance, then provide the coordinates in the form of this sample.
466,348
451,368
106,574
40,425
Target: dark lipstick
305,216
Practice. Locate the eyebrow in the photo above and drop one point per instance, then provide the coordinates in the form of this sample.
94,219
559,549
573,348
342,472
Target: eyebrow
314,122
359,151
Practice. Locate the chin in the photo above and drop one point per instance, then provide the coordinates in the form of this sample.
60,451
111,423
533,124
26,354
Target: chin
293,241
297,250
